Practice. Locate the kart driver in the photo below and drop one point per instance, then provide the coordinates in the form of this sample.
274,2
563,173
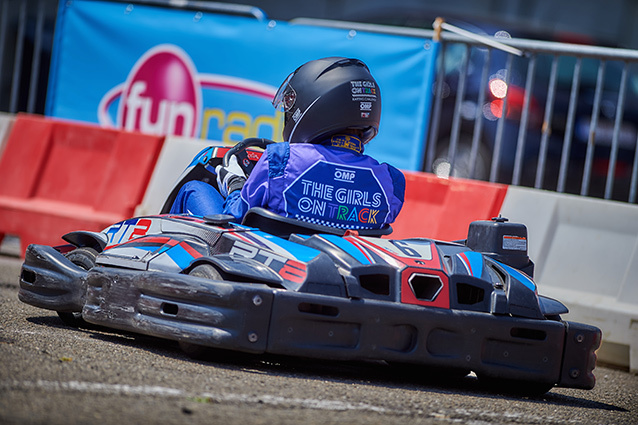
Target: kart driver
332,108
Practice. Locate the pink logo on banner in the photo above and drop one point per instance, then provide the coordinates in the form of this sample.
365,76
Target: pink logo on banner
161,95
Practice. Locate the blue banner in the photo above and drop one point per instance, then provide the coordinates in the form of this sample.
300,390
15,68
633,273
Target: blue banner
212,76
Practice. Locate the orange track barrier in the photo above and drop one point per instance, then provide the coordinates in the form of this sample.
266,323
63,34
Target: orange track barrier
444,208
57,177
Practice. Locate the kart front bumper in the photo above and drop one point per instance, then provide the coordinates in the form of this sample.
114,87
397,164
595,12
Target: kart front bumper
49,280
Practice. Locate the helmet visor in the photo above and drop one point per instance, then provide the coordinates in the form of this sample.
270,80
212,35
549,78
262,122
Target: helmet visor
286,96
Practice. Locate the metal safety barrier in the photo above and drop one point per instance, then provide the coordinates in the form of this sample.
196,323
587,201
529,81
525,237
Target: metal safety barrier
587,126
561,117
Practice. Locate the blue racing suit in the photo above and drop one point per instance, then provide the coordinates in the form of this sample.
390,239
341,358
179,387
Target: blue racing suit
332,184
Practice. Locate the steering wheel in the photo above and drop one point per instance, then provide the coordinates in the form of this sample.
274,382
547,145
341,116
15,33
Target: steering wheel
243,145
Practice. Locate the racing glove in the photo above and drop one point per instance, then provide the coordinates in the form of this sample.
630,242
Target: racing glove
231,178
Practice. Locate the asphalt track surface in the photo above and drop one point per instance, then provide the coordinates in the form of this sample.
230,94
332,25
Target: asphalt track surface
53,374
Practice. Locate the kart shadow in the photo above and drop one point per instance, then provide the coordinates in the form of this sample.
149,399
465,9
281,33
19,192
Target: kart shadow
380,374
372,373
155,345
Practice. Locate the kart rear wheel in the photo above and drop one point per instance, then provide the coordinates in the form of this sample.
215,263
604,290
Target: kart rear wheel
85,259
515,386
196,351
431,373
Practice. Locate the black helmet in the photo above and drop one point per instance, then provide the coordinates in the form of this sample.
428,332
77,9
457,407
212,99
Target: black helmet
326,96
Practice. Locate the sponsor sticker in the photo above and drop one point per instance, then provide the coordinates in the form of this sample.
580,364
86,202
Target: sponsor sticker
297,115
516,243
334,193
363,91
164,94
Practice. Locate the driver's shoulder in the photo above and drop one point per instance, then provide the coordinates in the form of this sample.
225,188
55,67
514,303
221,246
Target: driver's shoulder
278,155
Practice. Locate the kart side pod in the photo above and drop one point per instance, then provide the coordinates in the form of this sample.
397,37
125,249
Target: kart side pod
505,242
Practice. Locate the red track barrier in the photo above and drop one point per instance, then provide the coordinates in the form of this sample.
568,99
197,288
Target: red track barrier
444,208
56,177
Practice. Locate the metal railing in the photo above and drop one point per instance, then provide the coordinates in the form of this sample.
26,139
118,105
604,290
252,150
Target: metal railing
561,117
26,29
583,110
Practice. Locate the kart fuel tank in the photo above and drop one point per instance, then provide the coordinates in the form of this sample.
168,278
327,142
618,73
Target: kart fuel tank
504,241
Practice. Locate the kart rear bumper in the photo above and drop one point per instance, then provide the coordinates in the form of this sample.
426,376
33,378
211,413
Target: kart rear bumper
258,319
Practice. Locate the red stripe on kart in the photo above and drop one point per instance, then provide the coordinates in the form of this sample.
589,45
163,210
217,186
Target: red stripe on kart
357,244
466,263
191,251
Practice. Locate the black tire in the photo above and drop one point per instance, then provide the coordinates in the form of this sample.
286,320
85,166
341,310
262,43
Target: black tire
206,271
431,373
202,352
84,258
73,319
515,387
196,351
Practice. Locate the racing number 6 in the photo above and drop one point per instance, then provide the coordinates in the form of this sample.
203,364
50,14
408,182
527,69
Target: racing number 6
405,248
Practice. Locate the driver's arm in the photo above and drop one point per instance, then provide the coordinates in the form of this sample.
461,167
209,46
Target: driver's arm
254,193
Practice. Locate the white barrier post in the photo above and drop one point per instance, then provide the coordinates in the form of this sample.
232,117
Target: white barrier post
6,122
586,255
175,156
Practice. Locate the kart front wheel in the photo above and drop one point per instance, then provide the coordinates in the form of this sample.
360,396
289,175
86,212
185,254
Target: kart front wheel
206,271
84,258
196,351
73,319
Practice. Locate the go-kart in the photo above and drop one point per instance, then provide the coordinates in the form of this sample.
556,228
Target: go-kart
272,284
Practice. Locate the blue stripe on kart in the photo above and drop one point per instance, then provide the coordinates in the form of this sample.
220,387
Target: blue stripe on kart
476,262
165,248
180,256
348,247
300,252
521,277
149,248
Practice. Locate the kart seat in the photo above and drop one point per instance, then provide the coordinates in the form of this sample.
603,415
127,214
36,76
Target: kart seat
283,227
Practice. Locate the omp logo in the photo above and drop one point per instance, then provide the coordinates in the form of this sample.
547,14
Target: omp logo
365,106
347,176
162,94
